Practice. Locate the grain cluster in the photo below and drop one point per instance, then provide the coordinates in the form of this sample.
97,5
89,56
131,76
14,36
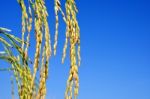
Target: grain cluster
31,75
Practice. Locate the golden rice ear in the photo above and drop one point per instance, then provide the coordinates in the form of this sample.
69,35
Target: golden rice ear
57,9
41,29
24,19
73,34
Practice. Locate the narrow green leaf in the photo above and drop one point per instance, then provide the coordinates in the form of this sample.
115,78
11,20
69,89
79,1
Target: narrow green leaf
5,42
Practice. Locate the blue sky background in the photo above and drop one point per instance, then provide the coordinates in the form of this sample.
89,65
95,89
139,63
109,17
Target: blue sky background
115,49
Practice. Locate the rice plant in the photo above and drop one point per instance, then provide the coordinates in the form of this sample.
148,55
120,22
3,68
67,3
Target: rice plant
29,85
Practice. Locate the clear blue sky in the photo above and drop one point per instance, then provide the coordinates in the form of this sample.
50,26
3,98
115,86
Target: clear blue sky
115,49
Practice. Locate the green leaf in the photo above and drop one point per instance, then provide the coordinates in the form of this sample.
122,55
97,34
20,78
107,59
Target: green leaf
5,42
13,37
